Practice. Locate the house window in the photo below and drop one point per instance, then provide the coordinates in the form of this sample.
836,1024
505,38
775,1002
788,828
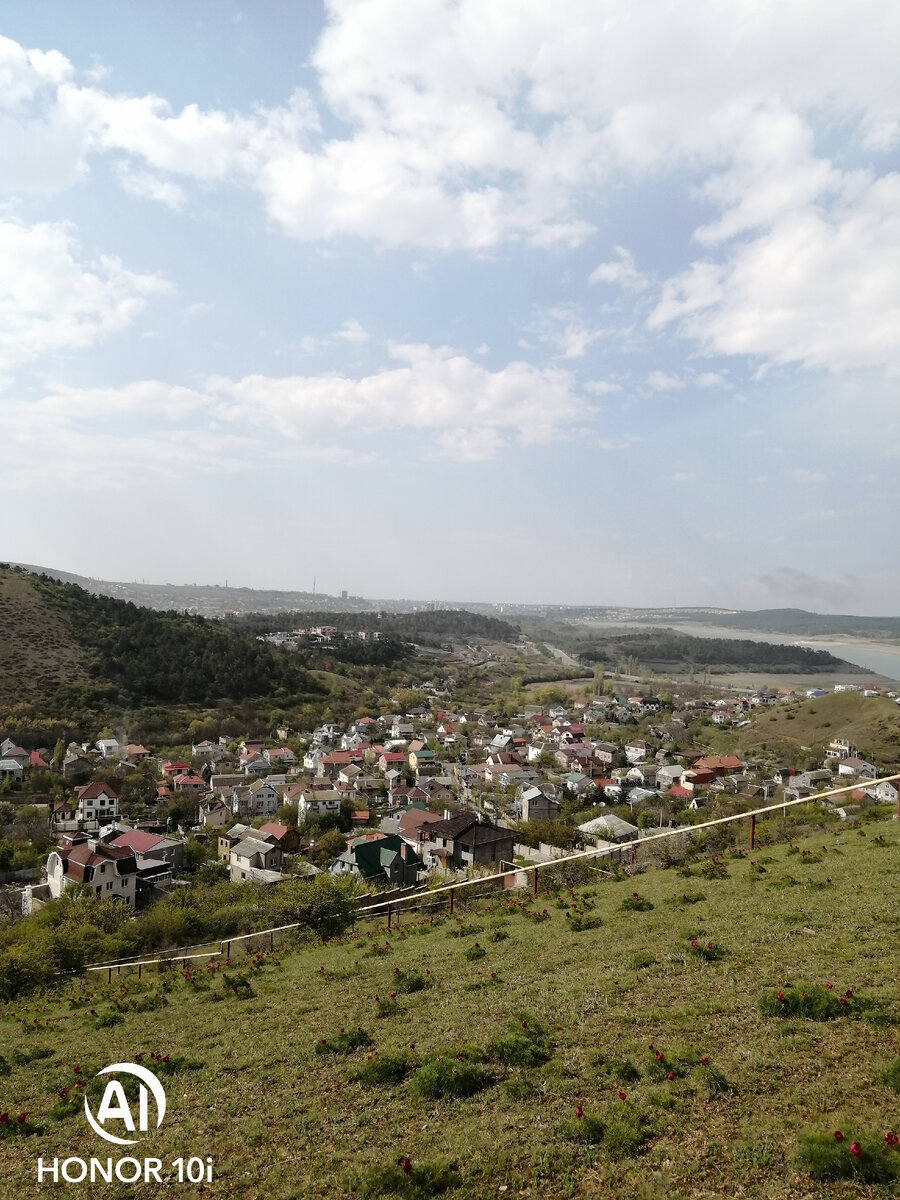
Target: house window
109,886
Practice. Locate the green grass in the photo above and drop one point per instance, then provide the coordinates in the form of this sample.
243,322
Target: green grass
477,1100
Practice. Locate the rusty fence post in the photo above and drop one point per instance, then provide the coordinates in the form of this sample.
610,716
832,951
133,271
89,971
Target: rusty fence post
534,882
389,915
631,854
451,902
752,832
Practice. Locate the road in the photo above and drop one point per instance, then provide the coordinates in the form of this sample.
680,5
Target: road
566,659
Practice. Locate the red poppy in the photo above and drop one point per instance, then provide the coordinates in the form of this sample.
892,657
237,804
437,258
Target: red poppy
709,945
829,985
855,1149
78,1085
694,943
658,1056
4,1118
779,995
670,1075
891,1139
77,1070
406,1165
393,995
493,974
21,1118
579,1111
842,1000
138,1057
838,1136
63,1092
524,1024
704,1062
622,1095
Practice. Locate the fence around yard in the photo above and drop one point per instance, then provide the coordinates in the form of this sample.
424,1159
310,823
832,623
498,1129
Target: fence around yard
445,897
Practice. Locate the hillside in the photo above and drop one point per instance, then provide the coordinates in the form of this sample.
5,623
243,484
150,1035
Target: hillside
807,624
64,648
648,1022
872,724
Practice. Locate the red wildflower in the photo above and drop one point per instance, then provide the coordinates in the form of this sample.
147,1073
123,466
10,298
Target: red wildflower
78,1085
838,1136
855,1149
493,974
622,1095
779,995
579,1111
709,945
406,1165
829,985
670,1075
524,1024
694,943
842,1000
891,1139
138,1057
4,1118
658,1056
459,1056
63,1092
393,995
77,1070
21,1118
704,1062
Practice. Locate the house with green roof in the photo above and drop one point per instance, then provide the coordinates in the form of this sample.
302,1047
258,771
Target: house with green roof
386,861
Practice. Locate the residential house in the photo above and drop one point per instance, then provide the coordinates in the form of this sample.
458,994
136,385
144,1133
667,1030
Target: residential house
857,768
319,802
106,870
211,751
108,747
668,775
279,756
98,804
463,841
282,835
214,812
149,847
229,838
256,860
385,860
887,792
537,805
609,827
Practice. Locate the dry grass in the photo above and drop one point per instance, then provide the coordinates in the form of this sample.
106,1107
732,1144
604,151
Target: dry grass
37,648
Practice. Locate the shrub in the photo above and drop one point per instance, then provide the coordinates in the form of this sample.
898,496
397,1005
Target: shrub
444,1076
385,1070
386,1008
714,869
589,1130
107,1020
524,1046
635,903
473,953
344,1042
622,1070
420,1181
626,1132
816,1003
499,935
642,959
823,1156
891,1076
411,981
689,897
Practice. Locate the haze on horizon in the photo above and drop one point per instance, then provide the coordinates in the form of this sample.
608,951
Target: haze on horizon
562,303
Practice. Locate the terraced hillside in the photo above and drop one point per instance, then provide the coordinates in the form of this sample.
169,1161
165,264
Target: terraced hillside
667,1035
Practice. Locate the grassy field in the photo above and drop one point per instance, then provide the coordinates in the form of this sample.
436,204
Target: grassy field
685,1088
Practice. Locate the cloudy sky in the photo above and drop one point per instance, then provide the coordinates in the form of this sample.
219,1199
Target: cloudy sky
590,301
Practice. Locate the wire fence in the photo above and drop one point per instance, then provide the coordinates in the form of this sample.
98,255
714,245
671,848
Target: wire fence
448,896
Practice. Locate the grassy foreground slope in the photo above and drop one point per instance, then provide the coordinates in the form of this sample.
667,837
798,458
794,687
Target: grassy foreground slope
283,1115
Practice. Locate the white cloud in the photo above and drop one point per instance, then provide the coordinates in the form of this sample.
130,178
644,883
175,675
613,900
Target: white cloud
661,381
465,125
682,477
711,379
602,387
621,271
52,299
819,287
151,187
454,405
805,476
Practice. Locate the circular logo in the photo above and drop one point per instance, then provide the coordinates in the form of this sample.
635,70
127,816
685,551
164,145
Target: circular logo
115,1107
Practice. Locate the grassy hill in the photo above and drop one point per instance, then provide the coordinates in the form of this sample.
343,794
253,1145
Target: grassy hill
873,724
659,1020
63,648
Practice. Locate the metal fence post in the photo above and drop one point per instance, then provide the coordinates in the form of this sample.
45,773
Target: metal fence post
631,854
389,914
752,832
451,902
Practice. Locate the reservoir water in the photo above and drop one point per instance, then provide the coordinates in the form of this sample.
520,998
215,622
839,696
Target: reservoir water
881,658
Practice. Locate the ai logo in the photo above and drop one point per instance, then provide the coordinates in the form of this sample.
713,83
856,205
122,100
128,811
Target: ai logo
115,1107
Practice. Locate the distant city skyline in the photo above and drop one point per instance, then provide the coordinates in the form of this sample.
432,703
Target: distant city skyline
547,303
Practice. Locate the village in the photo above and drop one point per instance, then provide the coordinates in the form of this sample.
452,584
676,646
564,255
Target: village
411,796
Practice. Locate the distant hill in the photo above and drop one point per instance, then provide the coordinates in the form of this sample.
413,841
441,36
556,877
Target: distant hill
806,624
62,648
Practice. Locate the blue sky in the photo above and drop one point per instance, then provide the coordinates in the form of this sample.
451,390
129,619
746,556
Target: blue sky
577,302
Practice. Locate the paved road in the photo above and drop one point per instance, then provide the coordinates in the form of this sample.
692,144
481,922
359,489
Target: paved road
566,659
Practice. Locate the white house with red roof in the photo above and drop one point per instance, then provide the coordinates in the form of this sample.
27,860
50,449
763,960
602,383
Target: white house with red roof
149,847
109,871
98,804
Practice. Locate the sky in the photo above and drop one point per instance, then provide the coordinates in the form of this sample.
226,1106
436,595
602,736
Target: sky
582,302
